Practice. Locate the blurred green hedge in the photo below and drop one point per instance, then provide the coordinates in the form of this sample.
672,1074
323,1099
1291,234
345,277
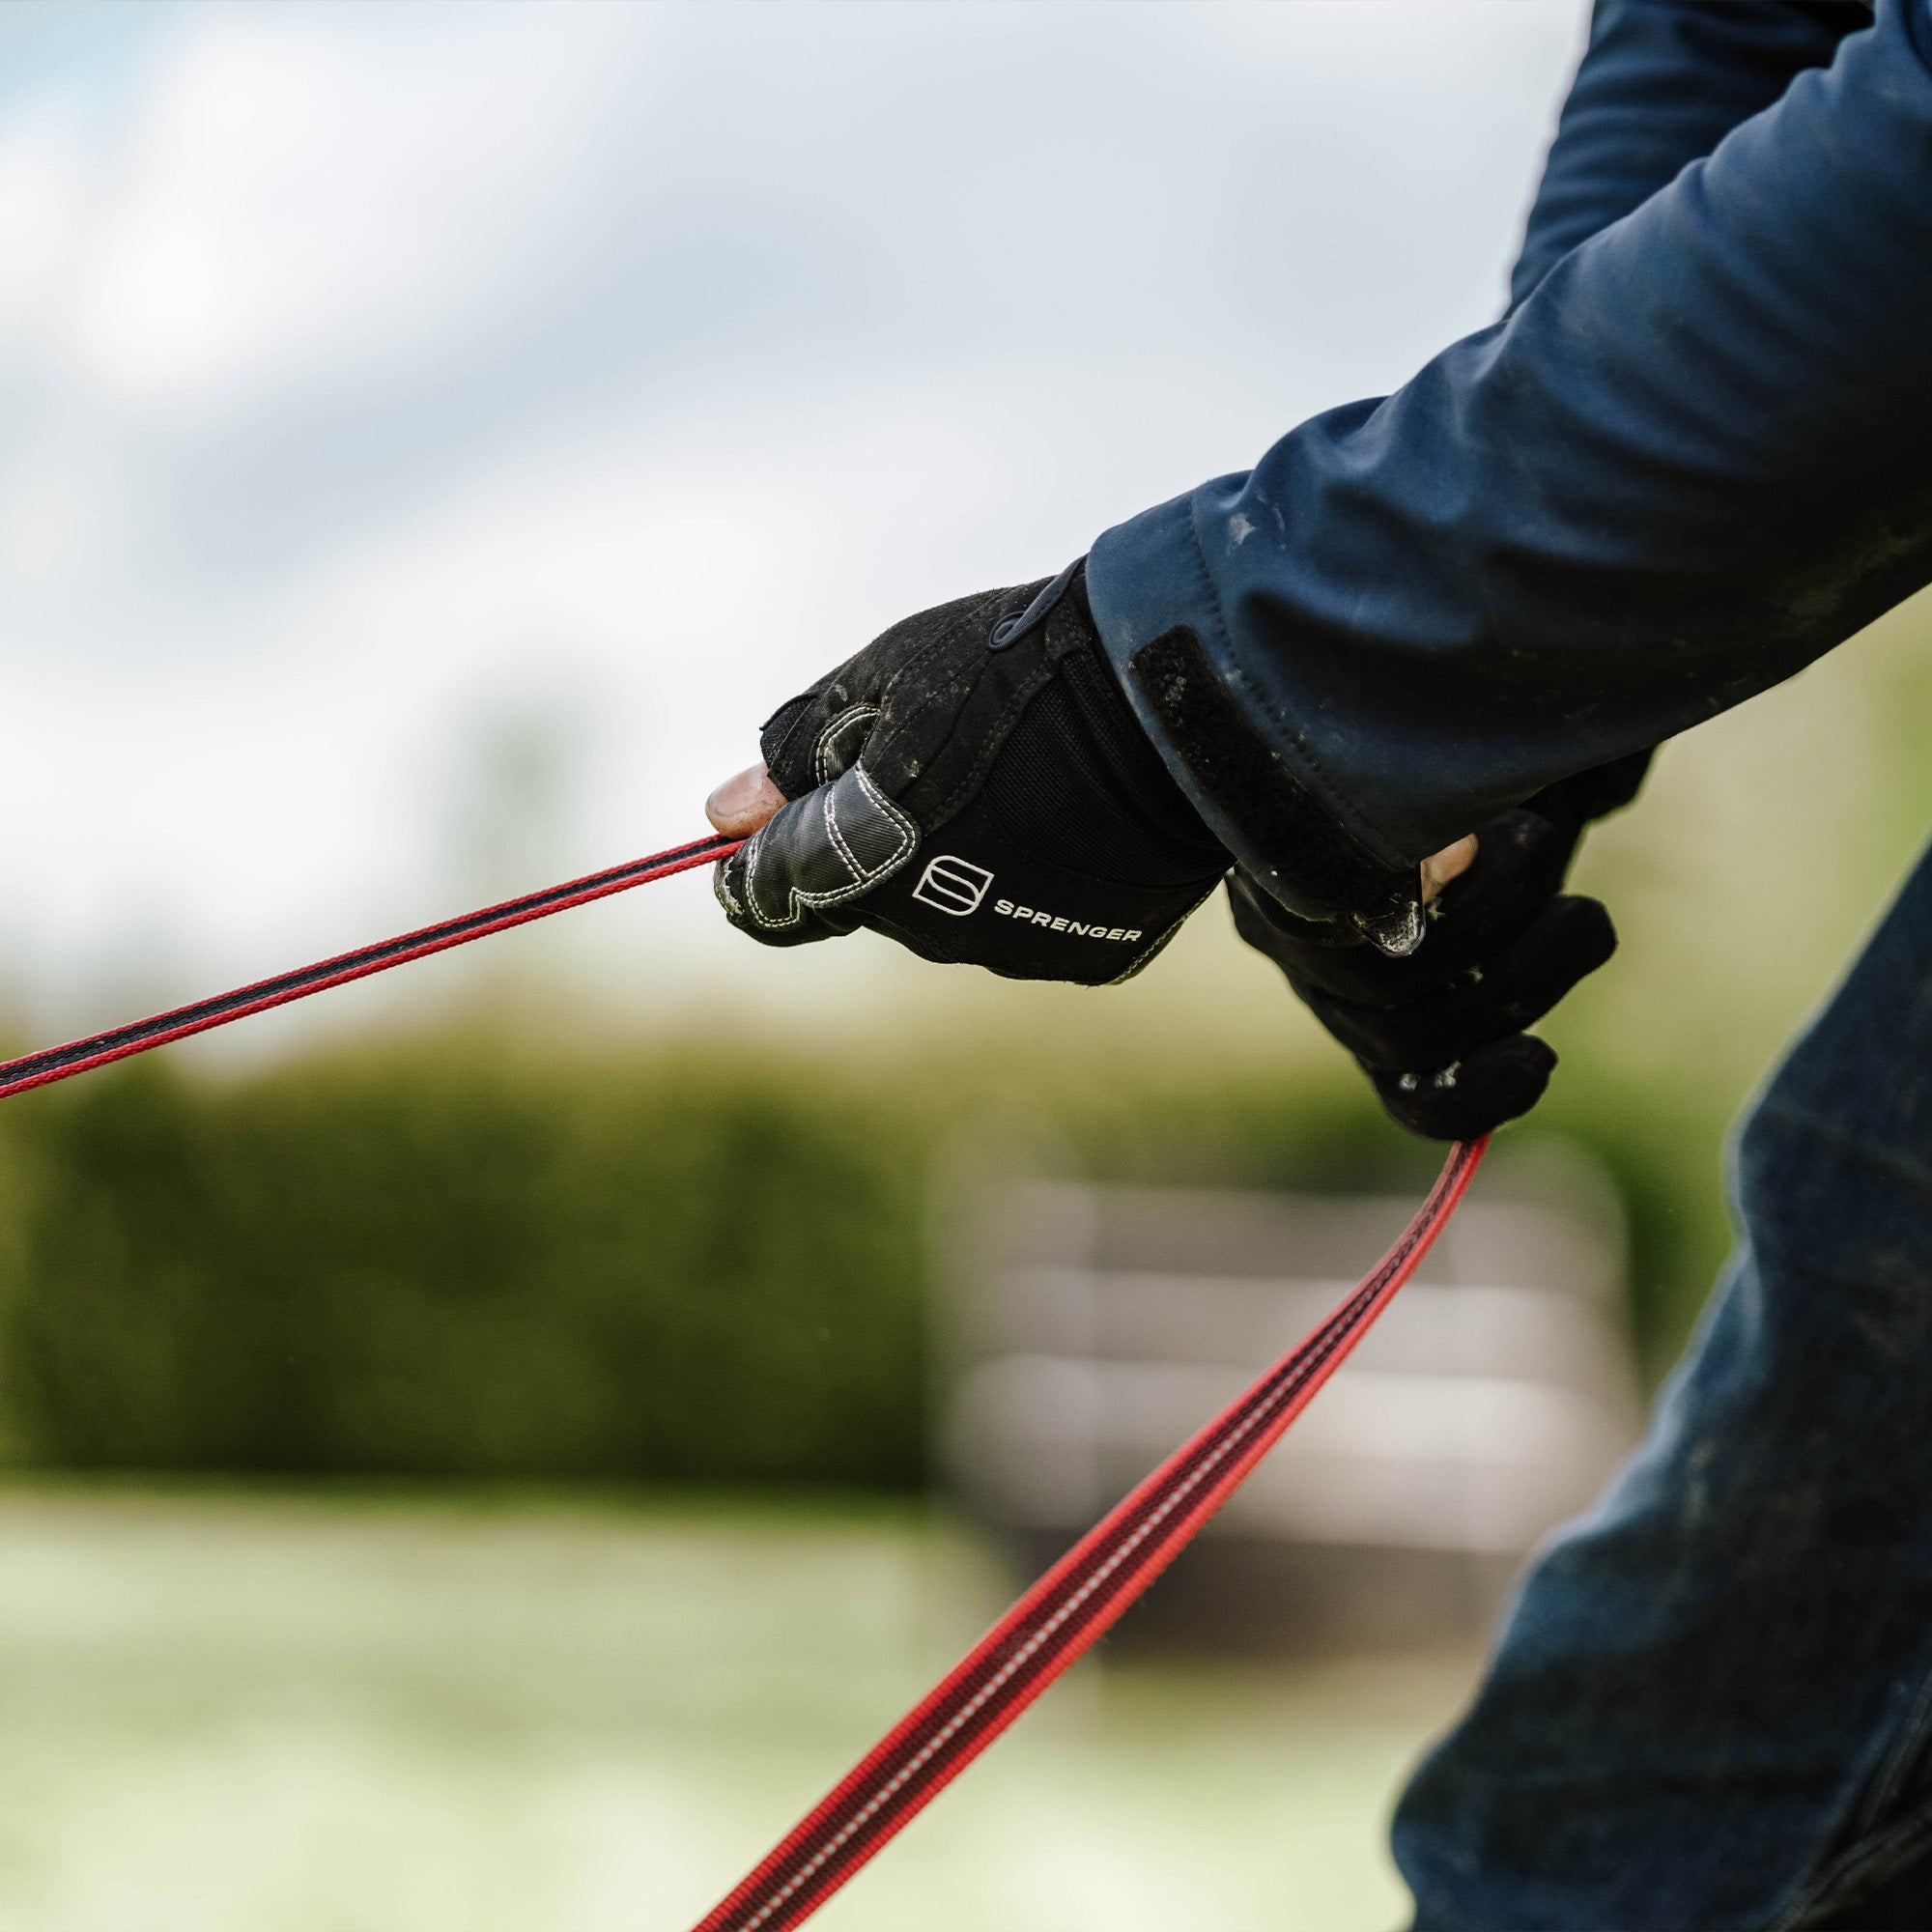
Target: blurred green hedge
458,1262
699,1265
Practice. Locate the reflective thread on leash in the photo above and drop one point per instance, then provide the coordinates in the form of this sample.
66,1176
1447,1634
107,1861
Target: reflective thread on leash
1071,1607
79,1056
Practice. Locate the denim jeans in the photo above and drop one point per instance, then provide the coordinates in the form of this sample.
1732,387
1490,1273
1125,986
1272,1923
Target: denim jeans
1711,1703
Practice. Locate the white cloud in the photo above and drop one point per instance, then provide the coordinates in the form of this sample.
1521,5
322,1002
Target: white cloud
312,188
43,179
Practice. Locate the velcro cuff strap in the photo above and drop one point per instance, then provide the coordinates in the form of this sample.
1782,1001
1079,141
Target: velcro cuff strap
1292,844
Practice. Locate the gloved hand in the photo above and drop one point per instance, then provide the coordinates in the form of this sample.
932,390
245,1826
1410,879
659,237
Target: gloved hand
1440,1033
975,785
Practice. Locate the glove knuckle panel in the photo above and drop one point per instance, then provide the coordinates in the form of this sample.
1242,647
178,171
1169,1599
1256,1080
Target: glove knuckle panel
833,844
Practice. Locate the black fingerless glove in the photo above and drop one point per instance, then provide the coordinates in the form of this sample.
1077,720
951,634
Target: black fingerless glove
1440,1031
975,785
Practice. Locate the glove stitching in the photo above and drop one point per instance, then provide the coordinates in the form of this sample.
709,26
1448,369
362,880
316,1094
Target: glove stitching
821,757
794,898
863,880
750,856
837,838
799,902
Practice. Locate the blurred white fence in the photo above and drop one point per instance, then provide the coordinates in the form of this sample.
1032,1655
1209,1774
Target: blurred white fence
1092,1328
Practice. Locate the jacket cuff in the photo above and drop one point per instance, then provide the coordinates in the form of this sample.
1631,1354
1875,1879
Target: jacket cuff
1160,625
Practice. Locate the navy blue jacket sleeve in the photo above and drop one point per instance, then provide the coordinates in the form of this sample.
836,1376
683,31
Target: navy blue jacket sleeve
1696,456
1662,83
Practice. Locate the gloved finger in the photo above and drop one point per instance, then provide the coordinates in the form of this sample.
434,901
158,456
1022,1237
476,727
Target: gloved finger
1497,1083
1568,940
1520,859
811,739
789,883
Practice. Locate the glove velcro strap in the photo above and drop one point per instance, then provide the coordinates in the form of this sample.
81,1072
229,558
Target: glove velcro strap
1285,837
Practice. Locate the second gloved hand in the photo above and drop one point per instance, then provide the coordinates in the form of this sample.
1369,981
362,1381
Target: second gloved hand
973,785
1440,1034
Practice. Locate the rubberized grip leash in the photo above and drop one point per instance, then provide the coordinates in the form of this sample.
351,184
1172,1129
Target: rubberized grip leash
62,1063
1071,1607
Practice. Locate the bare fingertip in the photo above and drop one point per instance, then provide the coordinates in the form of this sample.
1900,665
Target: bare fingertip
743,803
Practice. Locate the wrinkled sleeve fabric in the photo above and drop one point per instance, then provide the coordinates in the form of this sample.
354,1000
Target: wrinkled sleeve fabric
1696,456
1662,82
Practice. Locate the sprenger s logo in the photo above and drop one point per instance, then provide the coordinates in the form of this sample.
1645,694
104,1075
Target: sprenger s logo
959,887
952,885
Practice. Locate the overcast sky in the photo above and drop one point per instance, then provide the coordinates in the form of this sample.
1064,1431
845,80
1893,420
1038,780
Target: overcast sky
431,438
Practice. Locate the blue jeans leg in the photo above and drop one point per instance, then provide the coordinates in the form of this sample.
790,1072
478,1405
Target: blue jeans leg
1711,1705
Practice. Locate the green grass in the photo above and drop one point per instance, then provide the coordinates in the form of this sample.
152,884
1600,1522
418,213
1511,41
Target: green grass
275,1709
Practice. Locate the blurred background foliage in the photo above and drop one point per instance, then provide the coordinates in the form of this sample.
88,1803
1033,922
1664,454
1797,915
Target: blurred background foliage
499,1247
455,1262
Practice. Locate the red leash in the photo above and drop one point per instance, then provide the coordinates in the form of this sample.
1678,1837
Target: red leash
1071,1607
1060,1617
62,1063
